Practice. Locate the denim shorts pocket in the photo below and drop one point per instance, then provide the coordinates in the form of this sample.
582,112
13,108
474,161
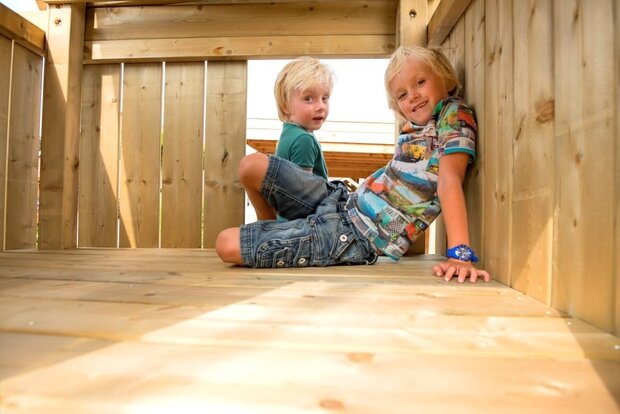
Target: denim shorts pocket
344,249
284,253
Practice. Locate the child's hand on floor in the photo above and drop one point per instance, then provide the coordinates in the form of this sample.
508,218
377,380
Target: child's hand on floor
461,270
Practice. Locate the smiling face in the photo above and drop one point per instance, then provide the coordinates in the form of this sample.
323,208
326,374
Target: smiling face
309,108
417,89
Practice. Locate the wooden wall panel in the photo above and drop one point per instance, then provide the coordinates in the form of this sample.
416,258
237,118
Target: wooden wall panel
6,51
584,182
239,31
23,150
474,94
140,156
182,155
533,128
99,144
225,146
498,162
241,20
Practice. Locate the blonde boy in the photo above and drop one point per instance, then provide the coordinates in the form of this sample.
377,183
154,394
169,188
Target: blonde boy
302,92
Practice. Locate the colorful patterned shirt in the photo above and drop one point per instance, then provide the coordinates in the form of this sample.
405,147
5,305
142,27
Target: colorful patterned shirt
397,203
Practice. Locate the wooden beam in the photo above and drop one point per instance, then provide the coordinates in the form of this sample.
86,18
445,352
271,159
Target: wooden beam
446,15
61,124
238,48
27,34
121,3
353,17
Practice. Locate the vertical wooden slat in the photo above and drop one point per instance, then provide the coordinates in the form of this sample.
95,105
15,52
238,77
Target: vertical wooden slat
474,94
5,87
182,155
99,141
616,35
23,150
498,166
584,182
61,119
411,20
533,148
140,156
225,145
457,48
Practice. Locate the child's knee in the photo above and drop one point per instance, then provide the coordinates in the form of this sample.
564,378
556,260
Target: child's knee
228,247
252,169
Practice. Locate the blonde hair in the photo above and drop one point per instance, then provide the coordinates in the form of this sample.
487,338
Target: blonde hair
296,76
434,58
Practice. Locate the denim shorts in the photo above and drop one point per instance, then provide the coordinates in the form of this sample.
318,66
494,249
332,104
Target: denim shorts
319,231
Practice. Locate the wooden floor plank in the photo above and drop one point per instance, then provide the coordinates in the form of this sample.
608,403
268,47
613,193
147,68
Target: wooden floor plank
154,378
150,331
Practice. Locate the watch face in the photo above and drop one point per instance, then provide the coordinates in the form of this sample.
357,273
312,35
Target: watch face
463,253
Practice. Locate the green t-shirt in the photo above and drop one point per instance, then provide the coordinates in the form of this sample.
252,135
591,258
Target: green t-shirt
301,147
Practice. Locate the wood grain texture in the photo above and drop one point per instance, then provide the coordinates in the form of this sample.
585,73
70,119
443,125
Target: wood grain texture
474,94
224,147
584,186
411,19
145,330
22,183
60,128
534,111
238,48
498,155
242,20
182,154
17,28
6,57
140,156
99,154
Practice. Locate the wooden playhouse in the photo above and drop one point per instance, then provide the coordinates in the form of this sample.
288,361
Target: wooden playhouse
121,126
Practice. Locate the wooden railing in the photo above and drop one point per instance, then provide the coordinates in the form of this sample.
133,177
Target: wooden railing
21,67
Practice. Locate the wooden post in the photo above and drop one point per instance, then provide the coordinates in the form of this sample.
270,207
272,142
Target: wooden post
60,131
411,23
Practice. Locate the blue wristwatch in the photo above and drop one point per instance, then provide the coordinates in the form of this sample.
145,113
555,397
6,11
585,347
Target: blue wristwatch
462,252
